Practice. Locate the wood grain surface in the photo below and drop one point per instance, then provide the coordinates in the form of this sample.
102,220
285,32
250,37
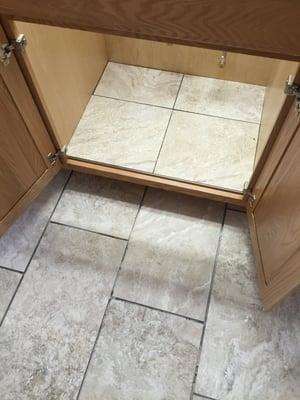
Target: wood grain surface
261,27
190,60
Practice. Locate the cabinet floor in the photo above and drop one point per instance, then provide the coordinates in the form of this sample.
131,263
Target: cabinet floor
114,291
186,127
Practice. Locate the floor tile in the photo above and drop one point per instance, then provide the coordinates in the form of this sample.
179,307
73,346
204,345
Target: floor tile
247,353
98,204
171,253
145,85
142,354
213,151
8,283
220,98
19,242
120,133
50,329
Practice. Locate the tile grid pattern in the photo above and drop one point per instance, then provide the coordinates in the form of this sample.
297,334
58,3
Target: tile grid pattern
196,117
33,252
112,297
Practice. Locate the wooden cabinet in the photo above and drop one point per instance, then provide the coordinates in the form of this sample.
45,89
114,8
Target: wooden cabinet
273,194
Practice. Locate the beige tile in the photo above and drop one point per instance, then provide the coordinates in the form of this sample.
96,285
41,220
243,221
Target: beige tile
220,98
171,253
8,283
209,150
142,354
120,133
247,353
144,85
19,242
98,204
50,329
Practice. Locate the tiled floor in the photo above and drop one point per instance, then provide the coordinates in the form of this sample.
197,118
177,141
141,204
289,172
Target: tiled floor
127,293
186,127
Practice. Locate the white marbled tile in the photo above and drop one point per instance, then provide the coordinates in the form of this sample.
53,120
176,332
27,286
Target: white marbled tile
50,329
247,353
221,98
99,204
8,283
120,133
142,354
208,150
144,85
19,242
171,253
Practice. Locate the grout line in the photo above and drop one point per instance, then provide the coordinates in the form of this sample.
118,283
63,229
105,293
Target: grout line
88,230
165,135
35,249
217,116
158,309
110,298
208,301
93,349
11,269
175,109
132,101
125,251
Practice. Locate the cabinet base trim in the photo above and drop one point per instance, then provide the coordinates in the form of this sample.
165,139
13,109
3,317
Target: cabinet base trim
155,181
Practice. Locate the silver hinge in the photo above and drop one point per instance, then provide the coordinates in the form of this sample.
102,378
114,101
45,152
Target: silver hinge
53,157
250,197
6,49
291,89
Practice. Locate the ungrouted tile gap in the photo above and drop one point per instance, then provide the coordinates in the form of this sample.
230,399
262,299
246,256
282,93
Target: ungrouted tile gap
158,309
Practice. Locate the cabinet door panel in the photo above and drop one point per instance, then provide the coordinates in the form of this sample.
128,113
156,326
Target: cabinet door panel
21,162
275,221
24,145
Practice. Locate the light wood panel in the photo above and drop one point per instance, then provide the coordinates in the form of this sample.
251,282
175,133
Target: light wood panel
274,99
24,145
155,181
277,215
189,60
267,28
275,218
21,163
64,66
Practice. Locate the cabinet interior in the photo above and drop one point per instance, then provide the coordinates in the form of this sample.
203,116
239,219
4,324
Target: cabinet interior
186,113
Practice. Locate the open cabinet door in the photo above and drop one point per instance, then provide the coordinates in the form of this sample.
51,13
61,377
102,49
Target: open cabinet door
274,215
24,145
